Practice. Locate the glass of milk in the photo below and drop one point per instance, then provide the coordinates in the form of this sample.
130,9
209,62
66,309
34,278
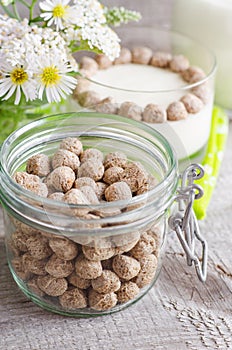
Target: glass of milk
144,84
210,21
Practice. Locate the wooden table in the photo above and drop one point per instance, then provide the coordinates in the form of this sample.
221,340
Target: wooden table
178,313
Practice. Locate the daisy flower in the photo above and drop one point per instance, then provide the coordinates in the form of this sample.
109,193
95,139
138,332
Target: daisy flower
16,79
53,79
58,12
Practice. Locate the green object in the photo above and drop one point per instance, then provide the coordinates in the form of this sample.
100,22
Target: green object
212,160
116,16
13,116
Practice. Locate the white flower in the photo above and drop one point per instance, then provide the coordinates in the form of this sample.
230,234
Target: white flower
6,2
89,12
53,79
58,12
16,79
103,38
72,34
11,28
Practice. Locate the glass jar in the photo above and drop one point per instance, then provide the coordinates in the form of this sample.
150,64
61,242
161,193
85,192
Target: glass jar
145,84
89,260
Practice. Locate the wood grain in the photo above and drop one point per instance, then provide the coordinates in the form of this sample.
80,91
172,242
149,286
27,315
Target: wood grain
178,313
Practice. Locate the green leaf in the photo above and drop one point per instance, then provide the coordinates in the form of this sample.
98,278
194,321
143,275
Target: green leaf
115,16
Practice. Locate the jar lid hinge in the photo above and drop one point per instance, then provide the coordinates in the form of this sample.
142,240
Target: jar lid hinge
185,223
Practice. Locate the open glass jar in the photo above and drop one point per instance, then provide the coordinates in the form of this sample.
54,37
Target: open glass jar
89,260
156,67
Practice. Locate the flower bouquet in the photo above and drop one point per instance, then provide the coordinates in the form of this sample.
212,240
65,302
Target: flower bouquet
37,66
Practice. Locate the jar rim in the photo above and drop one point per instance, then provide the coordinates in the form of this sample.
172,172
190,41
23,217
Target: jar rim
173,33
8,184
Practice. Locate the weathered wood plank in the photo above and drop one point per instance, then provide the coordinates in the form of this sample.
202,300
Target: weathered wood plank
178,313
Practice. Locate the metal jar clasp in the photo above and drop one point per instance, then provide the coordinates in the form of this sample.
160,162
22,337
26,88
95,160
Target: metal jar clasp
184,221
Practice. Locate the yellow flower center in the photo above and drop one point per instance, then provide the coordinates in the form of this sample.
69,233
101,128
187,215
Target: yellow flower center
19,76
59,11
50,76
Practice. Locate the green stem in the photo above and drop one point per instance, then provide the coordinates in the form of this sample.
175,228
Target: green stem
16,11
32,10
36,19
24,3
7,11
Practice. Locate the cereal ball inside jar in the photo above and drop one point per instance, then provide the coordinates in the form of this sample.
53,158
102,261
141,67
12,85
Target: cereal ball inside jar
39,165
73,298
91,154
64,248
128,291
117,159
100,190
99,250
106,283
118,191
56,196
31,183
112,174
147,272
72,144
62,178
38,247
102,301
19,240
125,267
87,269
59,268
125,242
75,196
34,265
52,286
90,194
63,157
18,266
93,169
145,246
85,181
79,282
134,175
